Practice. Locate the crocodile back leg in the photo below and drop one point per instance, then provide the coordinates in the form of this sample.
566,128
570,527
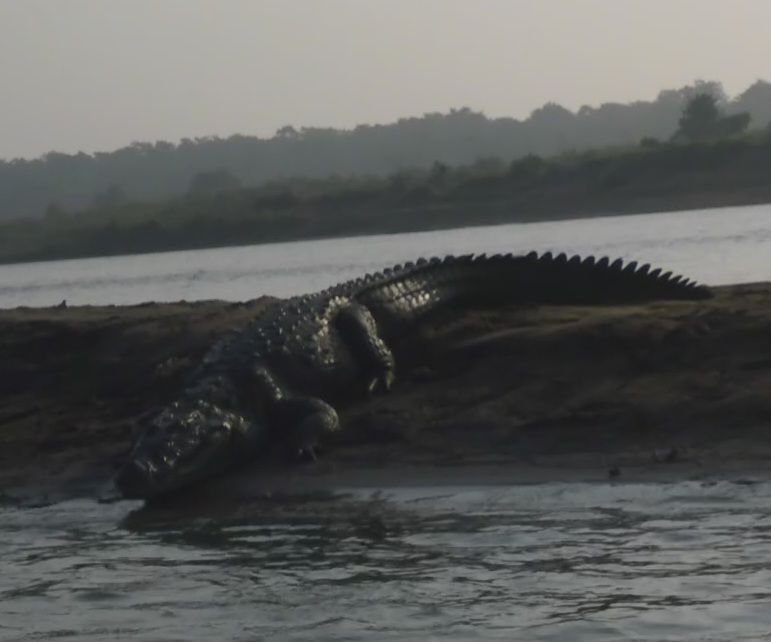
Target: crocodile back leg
358,330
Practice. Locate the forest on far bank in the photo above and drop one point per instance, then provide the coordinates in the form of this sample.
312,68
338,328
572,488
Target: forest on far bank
61,184
710,161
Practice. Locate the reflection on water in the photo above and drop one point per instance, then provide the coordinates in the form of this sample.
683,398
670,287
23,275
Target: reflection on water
687,561
718,246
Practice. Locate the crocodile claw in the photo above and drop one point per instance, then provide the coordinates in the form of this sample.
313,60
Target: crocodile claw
381,383
307,453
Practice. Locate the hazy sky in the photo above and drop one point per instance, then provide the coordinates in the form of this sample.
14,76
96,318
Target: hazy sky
98,74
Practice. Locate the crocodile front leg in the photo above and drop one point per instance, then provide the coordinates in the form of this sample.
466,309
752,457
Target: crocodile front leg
298,422
358,330
301,422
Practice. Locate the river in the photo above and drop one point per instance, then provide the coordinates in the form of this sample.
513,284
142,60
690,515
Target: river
717,246
547,561
581,561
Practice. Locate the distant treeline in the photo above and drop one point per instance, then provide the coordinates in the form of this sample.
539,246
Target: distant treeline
59,182
650,176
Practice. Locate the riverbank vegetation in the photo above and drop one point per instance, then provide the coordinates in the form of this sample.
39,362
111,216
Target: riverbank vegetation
155,171
652,176
707,162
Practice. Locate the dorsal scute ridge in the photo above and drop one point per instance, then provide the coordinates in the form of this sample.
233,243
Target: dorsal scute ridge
619,277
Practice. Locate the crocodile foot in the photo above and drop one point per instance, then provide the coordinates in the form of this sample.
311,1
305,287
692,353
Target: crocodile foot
301,422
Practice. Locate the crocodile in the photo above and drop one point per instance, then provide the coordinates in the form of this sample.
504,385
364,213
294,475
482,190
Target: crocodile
279,379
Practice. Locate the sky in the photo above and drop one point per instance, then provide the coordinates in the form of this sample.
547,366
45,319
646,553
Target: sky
95,75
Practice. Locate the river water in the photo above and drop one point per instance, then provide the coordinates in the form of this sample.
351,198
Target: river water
548,561
718,246
686,561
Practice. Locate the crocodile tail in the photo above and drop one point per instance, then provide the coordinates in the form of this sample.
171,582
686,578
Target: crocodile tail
481,281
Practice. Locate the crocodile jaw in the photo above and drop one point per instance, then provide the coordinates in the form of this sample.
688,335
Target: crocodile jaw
187,442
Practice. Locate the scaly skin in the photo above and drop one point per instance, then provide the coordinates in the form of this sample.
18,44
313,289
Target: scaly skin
274,381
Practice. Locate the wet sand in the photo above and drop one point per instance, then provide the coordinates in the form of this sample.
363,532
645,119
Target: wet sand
663,391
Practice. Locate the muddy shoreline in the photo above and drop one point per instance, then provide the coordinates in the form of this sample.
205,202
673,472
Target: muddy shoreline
656,392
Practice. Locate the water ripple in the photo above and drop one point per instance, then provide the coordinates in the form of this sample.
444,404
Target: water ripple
685,561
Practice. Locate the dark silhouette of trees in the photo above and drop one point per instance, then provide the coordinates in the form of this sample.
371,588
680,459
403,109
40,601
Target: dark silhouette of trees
144,172
702,120
218,180
732,125
756,101
664,175
113,196
287,132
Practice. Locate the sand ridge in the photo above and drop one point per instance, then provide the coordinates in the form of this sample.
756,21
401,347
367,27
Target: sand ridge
676,387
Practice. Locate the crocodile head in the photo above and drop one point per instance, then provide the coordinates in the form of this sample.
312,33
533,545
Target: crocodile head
188,441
